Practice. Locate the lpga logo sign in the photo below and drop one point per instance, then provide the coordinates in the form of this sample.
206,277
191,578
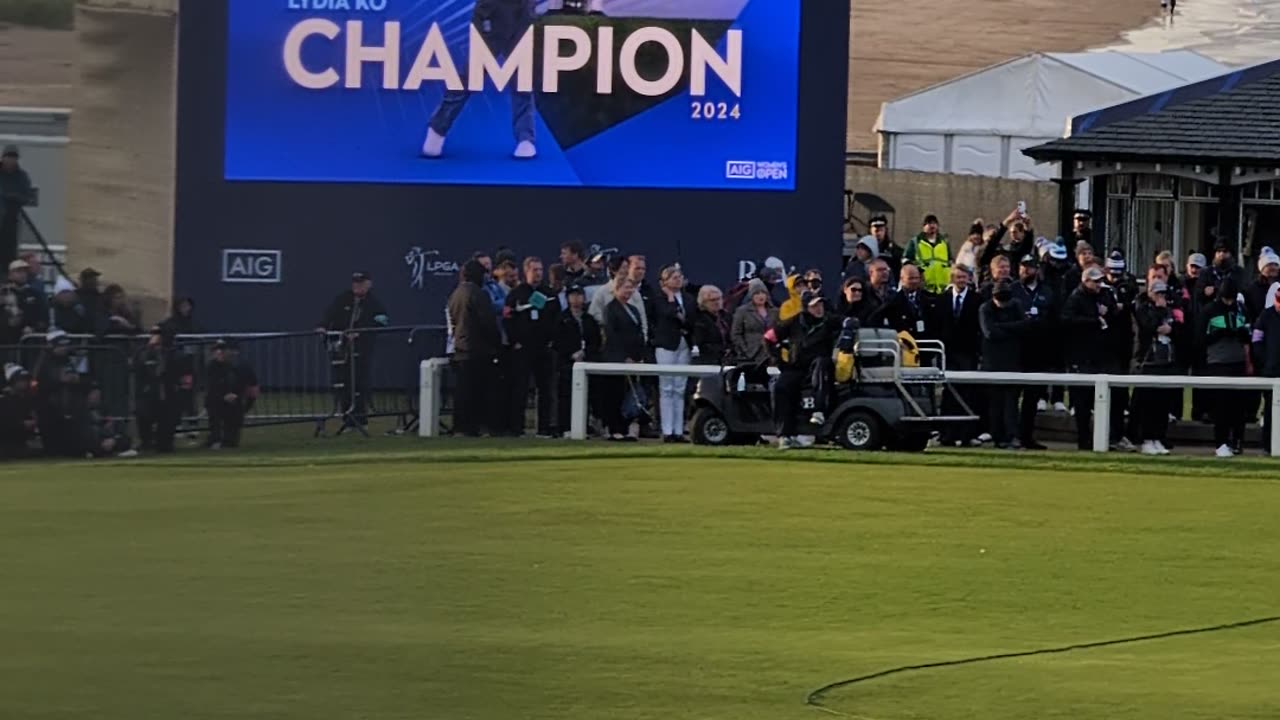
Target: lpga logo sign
423,263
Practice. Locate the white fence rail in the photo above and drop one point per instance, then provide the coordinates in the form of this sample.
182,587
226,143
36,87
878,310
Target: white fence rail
430,400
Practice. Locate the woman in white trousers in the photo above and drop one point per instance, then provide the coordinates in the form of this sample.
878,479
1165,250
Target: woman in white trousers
673,311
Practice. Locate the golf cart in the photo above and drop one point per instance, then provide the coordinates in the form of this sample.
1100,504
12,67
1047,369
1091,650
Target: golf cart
893,399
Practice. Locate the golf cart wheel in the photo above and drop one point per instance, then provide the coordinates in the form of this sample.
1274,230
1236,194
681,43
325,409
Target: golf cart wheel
710,428
859,430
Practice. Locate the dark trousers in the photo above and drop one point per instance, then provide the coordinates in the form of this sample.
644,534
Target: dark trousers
536,365
961,432
499,393
157,422
786,400
1004,412
1151,414
564,394
611,391
1230,408
501,32
474,378
226,419
789,389
1031,395
1082,404
352,368
1266,420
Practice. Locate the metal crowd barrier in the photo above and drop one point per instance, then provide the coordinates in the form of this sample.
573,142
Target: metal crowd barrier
303,377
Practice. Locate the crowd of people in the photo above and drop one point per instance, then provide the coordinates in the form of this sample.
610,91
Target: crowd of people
52,401
1005,300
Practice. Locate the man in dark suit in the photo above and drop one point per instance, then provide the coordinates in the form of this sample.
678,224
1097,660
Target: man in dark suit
624,342
910,308
1042,344
956,324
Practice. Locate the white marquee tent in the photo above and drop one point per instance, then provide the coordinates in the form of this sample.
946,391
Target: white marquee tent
978,124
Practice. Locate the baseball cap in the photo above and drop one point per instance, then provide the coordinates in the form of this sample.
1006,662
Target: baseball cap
574,289
19,265
62,285
878,220
360,276
1082,213
1030,261
10,150
1093,273
57,337
89,272
810,298
13,370
1198,260
1268,259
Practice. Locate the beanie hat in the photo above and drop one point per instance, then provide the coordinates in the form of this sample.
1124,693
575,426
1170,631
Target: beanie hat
1115,261
1267,259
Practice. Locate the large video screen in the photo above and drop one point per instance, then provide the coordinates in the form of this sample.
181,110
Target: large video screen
691,94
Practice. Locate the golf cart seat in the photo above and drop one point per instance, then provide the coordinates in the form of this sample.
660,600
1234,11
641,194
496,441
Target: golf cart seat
881,357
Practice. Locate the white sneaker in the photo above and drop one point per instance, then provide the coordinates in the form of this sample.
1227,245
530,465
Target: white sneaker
806,441
818,418
787,443
434,145
1224,451
1149,448
984,438
526,150
128,454
1162,449
1042,406
1060,407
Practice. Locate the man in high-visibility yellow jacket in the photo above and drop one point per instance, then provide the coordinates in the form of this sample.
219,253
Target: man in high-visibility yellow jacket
929,252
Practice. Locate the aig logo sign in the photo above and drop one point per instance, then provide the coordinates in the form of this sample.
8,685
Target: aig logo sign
251,266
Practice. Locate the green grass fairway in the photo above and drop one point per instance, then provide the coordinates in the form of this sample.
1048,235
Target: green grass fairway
395,579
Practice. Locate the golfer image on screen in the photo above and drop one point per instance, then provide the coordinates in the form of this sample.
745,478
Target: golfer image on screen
501,23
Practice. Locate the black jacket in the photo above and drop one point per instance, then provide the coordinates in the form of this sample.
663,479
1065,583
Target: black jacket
1124,289
23,307
711,335
670,323
1152,355
901,314
1085,338
1223,333
577,334
15,411
160,372
961,334
348,313
1255,297
810,338
223,378
475,327
623,335
1043,348
1266,343
1004,331
996,247
527,325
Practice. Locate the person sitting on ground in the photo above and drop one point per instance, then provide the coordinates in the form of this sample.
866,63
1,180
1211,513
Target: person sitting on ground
231,389
17,414
99,436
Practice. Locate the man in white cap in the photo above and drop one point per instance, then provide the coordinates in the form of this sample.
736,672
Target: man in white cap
22,309
17,413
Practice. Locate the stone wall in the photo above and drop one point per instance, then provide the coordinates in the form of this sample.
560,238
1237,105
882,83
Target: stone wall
122,152
955,199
